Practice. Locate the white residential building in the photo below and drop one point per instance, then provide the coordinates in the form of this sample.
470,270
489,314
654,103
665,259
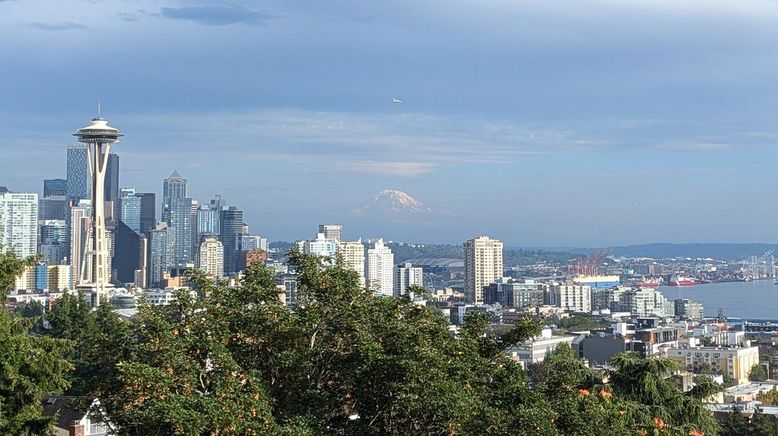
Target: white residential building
536,349
353,254
321,246
380,269
645,302
571,297
483,266
406,275
212,257
332,231
19,223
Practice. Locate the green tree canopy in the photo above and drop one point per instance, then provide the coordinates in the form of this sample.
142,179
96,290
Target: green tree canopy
757,373
344,361
31,366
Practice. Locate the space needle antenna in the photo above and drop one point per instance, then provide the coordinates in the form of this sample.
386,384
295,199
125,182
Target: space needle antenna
98,109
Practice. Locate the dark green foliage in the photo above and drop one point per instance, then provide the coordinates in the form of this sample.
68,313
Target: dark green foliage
738,424
647,384
577,322
31,366
757,373
344,361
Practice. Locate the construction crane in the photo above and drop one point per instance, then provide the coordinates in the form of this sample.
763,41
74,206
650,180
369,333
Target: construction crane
590,265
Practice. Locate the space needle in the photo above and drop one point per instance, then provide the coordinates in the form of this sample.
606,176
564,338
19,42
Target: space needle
98,137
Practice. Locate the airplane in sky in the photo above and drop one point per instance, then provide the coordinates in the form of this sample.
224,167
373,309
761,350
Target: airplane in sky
396,100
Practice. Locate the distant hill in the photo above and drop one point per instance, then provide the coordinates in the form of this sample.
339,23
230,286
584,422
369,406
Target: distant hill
562,255
713,250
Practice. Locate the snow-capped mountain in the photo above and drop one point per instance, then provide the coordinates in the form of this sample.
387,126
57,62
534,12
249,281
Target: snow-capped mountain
390,200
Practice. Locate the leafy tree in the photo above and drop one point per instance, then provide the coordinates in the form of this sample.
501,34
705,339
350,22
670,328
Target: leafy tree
769,397
344,361
33,309
653,394
30,366
757,373
579,321
738,424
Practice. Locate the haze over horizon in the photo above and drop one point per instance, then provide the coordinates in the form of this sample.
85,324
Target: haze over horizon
554,124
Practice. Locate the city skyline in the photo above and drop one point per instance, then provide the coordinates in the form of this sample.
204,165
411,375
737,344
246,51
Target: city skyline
562,124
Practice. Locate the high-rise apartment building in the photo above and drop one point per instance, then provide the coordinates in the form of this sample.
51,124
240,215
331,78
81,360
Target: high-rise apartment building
689,309
571,297
59,278
483,266
321,246
353,254
211,259
231,227
208,218
646,302
406,275
161,254
77,235
332,231
252,242
19,223
380,269
180,229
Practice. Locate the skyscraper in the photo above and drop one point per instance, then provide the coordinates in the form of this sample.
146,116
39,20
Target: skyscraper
231,228
483,266
52,187
111,188
160,254
172,187
98,137
78,186
332,231
177,213
179,223
406,275
53,204
211,259
353,254
208,216
53,239
380,269
130,253
130,209
148,211
77,235
19,223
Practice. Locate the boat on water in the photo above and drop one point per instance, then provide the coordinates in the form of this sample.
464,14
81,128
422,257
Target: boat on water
681,281
649,283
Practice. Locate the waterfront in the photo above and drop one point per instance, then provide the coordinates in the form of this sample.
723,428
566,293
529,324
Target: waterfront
747,300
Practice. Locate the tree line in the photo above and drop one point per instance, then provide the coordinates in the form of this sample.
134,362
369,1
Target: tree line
237,361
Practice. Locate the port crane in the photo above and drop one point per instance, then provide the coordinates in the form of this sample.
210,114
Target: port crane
590,265
760,267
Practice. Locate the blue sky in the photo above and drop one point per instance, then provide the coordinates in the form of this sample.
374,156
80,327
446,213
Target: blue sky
561,122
